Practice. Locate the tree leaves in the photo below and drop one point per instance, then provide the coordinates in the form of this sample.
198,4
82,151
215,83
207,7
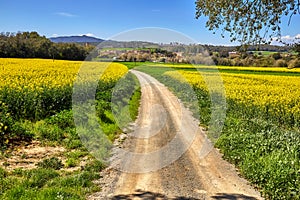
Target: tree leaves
248,21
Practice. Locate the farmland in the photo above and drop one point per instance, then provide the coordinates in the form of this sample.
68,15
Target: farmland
42,156
261,133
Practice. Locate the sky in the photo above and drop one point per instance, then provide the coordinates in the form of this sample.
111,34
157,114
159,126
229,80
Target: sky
107,19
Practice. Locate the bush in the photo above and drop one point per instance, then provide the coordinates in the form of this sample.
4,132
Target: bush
281,63
266,62
294,64
276,56
224,62
237,62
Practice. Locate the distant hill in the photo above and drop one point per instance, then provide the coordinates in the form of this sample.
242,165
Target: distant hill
75,39
174,47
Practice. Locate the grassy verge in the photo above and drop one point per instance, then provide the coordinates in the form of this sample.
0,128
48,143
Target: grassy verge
266,154
67,174
49,183
134,104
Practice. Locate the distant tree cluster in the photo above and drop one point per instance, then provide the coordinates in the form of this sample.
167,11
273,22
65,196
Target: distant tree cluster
257,59
296,48
139,55
32,45
198,48
274,56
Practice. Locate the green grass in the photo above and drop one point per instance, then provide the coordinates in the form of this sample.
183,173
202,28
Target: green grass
132,65
264,53
49,180
104,49
45,183
267,154
134,103
71,162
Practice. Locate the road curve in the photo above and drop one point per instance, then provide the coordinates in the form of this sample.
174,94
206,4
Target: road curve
160,159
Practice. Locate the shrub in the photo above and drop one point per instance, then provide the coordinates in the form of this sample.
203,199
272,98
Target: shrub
238,62
276,56
224,62
294,64
281,63
266,62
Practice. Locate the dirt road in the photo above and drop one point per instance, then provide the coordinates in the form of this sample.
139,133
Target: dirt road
161,158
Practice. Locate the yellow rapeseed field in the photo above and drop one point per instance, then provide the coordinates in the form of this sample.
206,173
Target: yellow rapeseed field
31,87
34,73
235,68
274,95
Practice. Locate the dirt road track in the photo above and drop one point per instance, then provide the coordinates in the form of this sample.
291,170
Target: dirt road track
165,172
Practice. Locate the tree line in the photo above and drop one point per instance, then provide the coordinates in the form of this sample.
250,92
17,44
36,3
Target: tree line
32,45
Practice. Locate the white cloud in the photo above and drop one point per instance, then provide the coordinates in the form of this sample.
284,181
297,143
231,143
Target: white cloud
288,39
65,14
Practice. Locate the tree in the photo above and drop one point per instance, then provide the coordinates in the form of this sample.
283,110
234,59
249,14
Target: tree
296,48
247,21
32,45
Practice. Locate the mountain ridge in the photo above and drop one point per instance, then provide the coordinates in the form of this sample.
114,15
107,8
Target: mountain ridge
75,39
144,44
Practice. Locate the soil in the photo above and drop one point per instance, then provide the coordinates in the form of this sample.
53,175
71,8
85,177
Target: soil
27,156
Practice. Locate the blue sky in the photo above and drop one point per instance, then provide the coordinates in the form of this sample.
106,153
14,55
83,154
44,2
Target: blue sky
106,18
